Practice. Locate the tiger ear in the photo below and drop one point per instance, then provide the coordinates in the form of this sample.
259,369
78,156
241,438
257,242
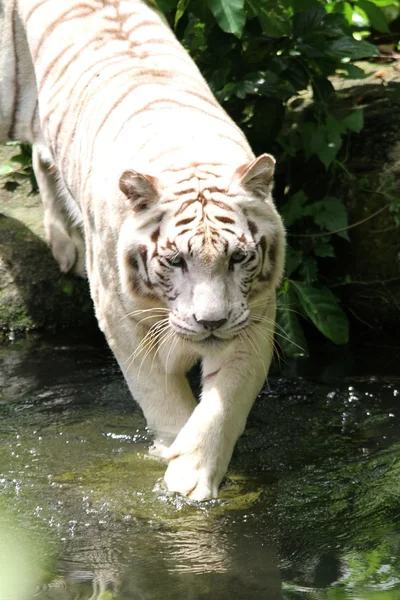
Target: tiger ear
257,176
141,190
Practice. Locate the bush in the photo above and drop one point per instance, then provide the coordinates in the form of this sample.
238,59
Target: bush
261,58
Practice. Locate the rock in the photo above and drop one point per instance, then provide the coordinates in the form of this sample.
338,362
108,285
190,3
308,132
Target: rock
366,273
372,198
33,293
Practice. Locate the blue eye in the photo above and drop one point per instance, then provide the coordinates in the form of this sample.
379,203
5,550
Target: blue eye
177,261
237,256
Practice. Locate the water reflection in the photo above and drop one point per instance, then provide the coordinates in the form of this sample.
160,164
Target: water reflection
310,510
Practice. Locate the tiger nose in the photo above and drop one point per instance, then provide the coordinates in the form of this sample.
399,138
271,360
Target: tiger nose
210,325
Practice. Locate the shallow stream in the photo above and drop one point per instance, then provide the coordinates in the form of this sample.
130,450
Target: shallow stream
310,508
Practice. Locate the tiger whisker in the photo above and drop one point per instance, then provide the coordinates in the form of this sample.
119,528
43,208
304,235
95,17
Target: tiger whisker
280,334
144,310
271,339
275,306
265,319
148,335
161,336
162,341
153,335
151,317
174,343
148,339
246,336
150,344
267,335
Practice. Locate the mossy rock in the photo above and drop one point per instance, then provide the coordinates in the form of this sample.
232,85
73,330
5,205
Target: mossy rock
132,485
33,293
368,268
373,201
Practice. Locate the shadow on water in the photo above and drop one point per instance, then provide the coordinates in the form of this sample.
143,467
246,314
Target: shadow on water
310,508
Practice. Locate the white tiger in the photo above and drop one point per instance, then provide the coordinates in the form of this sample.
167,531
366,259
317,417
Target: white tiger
184,247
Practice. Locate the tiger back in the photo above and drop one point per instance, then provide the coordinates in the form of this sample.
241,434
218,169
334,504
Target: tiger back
184,247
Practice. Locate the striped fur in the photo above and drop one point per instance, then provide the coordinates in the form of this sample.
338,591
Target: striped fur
184,247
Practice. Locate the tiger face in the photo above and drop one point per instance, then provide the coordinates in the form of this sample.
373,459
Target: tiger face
204,251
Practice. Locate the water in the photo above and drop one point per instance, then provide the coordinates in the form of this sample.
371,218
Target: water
310,508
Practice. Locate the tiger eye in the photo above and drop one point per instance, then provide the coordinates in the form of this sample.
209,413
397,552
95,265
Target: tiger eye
177,261
238,256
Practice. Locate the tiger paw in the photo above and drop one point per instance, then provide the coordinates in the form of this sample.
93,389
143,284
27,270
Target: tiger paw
68,250
192,476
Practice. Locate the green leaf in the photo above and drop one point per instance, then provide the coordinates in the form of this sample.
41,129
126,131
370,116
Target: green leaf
348,48
68,288
308,269
329,214
325,142
293,209
180,11
385,2
323,249
167,5
375,15
8,168
25,160
305,22
270,24
297,74
344,8
323,90
293,260
308,132
229,15
303,5
322,308
354,121
266,121
289,332
334,124
350,71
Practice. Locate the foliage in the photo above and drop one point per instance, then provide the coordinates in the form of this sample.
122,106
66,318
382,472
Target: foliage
19,166
263,60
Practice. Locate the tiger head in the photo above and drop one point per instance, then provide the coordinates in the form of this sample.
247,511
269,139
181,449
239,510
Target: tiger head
205,247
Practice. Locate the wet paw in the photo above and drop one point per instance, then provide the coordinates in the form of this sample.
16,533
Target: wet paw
191,476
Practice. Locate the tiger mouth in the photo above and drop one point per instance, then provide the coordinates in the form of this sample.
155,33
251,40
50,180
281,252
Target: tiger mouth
208,337
214,340
209,340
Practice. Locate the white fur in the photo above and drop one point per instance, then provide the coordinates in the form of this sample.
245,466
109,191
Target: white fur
104,108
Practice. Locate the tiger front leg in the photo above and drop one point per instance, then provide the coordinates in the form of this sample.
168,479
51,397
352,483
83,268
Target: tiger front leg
155,376
200,455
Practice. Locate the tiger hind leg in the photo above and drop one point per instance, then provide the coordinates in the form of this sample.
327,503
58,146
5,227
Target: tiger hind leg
65,239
